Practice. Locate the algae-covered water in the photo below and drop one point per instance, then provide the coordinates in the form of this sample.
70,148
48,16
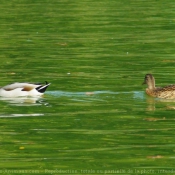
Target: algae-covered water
95,117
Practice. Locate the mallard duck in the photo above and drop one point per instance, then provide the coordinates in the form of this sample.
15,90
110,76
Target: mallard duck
23,89
167,92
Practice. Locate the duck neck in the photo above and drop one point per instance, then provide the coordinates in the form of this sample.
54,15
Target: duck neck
151,85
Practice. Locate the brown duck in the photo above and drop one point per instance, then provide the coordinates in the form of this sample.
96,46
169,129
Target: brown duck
167,92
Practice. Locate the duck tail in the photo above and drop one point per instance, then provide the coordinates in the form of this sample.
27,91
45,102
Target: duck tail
43,88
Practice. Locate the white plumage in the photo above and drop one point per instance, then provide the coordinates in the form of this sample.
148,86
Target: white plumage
23,89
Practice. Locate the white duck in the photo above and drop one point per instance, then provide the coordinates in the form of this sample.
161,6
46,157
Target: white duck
23,89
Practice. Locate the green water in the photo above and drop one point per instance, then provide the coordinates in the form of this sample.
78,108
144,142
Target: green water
95,117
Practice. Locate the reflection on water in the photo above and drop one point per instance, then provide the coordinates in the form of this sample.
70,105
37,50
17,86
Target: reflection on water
77,94
63,93
98,96
19,115
139,94
135,94
161,104
25,101
74,96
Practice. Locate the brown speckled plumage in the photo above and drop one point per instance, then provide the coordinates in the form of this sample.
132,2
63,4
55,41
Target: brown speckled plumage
167,92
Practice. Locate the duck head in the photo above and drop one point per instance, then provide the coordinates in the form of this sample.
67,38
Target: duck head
150,81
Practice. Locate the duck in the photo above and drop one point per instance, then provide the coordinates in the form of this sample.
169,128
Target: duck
23,89
167,92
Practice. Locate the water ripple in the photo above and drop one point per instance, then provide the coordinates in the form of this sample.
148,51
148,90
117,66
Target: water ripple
19,115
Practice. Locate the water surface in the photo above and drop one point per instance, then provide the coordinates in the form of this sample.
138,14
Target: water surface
95,117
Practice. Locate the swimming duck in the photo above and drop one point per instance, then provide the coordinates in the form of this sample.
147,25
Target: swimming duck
23,89
167,92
